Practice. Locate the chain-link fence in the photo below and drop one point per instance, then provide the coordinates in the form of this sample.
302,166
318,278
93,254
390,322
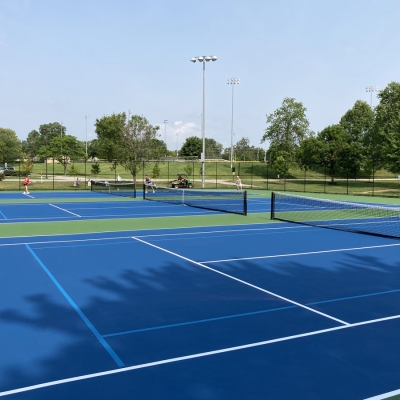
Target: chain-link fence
288,176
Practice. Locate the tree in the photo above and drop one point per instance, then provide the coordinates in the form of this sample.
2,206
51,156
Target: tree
93,149
158,148
310,153
47,133
281,167
137,144
213,148
11,150
72,170
243,151
188,169
156,170
110,132
242,147
357,122
192,147
288,126
95,170
63,149
33,142
26,165
383,141
334,142
2,150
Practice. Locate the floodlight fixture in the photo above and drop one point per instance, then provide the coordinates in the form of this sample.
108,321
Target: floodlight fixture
371,89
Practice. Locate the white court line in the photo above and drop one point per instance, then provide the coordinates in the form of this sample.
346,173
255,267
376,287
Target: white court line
227,230
91,218
302,254
131,230
384,395
63,209
192,356
65,241
244,282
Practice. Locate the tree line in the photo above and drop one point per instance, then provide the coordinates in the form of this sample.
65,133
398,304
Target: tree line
364,139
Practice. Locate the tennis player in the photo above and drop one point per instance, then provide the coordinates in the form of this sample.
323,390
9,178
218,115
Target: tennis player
148,182
26,183
238,183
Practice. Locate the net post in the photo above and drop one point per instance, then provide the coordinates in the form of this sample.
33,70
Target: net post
134,190
144,191
273,205
245,203
91,185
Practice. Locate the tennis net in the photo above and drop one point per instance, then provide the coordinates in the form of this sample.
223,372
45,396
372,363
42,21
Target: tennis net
341,215
217,200
116,189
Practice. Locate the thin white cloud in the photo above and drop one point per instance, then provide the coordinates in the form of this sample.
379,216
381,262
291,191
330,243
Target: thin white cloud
178,132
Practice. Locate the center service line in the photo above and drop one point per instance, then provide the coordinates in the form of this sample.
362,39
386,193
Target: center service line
63,209
244,282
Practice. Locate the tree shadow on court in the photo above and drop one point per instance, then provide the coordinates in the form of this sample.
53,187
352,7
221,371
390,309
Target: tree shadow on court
177,293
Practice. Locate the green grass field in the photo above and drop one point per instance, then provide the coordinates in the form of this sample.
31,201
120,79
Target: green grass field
218,175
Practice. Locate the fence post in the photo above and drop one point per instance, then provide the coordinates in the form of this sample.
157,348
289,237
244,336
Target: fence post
252,173
19,175
373,179
284,177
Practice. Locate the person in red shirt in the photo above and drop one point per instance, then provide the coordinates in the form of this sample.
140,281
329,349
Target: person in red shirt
26,183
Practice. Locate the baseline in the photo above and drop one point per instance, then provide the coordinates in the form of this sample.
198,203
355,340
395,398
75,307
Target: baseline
192,356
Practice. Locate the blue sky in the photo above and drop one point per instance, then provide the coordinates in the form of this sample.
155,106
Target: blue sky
62,60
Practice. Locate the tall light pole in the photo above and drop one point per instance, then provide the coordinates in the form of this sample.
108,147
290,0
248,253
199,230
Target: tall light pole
86,117
165,134
203,59
233,82
371,89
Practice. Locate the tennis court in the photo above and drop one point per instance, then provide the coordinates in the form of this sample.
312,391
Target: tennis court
226,307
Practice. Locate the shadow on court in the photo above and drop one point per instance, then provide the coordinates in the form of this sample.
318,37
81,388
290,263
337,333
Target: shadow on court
196,302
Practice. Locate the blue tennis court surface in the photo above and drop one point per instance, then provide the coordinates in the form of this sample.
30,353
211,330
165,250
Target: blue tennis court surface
45,211
266,311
